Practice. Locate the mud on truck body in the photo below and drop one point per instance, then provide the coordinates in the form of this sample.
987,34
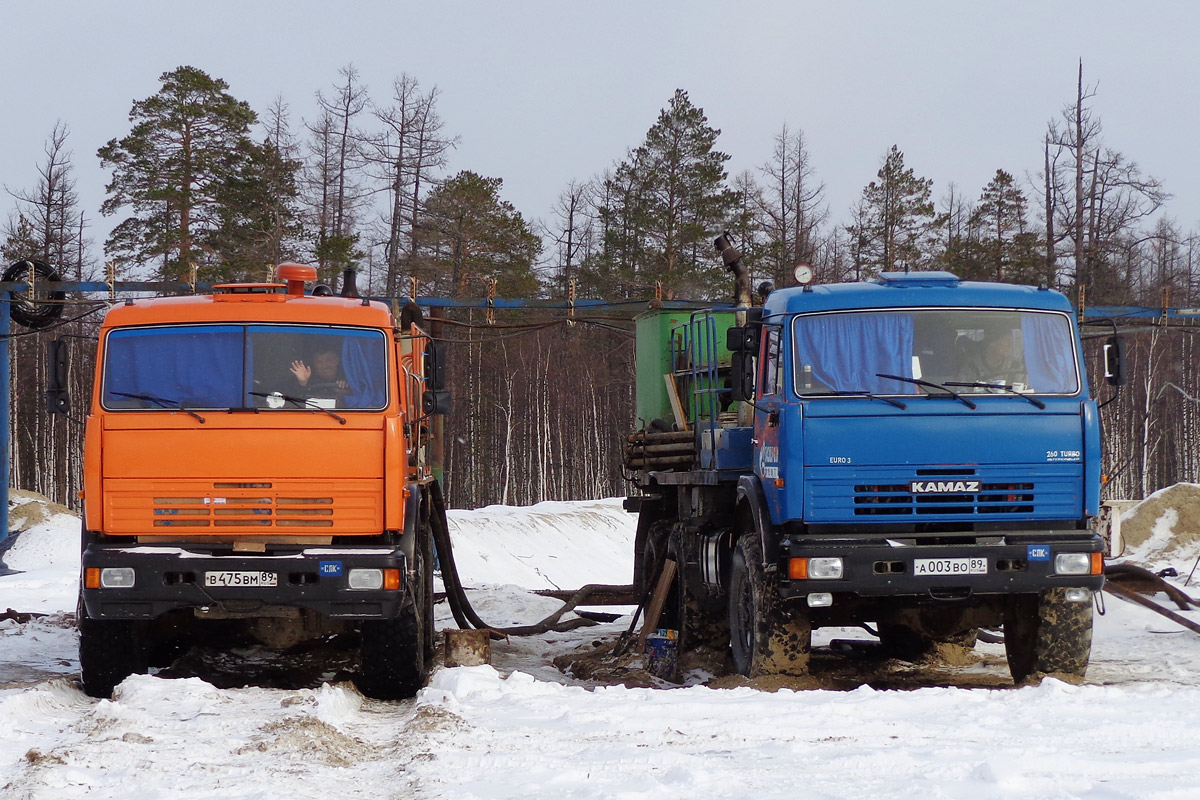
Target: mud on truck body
224,496
851,455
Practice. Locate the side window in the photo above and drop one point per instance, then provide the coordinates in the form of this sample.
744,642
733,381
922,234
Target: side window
772,367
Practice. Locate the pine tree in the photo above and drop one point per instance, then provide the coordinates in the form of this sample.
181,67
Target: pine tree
893,219
471,236
662,206
258,220
1009,248
187,142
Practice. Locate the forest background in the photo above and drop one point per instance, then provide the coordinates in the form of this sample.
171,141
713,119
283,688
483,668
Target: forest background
204,185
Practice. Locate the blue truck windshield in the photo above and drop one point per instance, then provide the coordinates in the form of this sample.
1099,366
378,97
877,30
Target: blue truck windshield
977,351
270,367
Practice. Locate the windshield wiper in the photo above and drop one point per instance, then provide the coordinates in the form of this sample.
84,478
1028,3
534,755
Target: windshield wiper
300,401
868,395
161,401
930,385
1001,386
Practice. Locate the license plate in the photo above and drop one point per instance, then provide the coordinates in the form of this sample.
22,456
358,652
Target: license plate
231,578
950,566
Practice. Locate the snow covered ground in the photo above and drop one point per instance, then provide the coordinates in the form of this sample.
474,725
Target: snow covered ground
521,728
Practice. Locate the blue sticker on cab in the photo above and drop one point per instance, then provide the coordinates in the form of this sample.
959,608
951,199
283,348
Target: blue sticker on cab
1039,552
330,569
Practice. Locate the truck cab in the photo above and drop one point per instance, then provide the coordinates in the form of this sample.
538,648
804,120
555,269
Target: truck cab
259,456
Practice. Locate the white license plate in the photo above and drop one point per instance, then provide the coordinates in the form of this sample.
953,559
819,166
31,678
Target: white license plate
231,578
950,566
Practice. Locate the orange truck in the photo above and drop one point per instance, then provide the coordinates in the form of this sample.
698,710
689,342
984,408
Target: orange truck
258,464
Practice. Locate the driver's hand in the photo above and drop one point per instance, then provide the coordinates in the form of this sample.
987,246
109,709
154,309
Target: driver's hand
302,372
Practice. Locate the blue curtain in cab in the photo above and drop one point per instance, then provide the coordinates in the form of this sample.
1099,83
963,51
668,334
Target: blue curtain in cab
847,350
363,361
198,366
1049,357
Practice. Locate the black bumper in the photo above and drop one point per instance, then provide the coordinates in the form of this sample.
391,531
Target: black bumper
880,567
167,578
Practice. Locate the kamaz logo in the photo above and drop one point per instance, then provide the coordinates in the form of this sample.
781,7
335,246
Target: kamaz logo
935,487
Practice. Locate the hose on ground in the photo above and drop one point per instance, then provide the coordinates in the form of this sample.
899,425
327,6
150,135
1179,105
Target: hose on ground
464,614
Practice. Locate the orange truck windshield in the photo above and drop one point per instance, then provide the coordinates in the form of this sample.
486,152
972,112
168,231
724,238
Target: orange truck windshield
235,366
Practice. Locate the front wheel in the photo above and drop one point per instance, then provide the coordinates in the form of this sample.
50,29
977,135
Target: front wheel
110,651
766,636
1044,634
393,656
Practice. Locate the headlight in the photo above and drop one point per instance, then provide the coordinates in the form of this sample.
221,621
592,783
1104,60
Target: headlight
365,579
1073,564
825,568
116,577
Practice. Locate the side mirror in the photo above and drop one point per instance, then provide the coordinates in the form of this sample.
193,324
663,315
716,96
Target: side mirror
741,376
435,402
1114,361
435,366
743,339
57,399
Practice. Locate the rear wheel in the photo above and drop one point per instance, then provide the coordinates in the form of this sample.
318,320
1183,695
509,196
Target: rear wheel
1044,634
765,636
110,651
701,617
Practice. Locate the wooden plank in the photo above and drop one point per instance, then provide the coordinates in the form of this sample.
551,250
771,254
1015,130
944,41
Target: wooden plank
654,611
676,406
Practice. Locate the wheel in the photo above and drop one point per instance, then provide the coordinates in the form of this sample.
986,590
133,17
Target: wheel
701,618
110,651
1046,635
765,636
393,656
650,543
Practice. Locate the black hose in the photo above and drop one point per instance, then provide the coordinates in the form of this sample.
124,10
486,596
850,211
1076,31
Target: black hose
464,614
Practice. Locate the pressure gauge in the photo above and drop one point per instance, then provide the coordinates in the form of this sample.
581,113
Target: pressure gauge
803,273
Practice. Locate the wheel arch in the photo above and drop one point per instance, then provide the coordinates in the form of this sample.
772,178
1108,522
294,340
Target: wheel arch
752,516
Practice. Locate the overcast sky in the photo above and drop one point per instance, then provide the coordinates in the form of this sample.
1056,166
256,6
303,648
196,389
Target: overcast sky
545,92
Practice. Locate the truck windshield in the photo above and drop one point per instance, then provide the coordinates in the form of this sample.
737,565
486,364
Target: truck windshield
975,351
270,367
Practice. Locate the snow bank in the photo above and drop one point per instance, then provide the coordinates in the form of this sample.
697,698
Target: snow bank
1164,529
553,545
45,547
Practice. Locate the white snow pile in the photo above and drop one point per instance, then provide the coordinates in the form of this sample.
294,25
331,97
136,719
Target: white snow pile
520,728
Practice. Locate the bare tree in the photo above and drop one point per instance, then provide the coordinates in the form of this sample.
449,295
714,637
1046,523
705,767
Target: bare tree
793,207
1108,195
337,157
405,157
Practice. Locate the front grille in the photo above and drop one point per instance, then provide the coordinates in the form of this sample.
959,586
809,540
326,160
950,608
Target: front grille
243,512
895,499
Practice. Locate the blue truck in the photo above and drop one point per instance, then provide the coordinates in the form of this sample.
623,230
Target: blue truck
915,454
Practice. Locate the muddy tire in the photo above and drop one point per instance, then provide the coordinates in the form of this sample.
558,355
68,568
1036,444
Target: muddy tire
766,636
393,656
1045,635
109,652
649,551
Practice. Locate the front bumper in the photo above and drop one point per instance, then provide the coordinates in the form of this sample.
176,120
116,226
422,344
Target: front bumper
881,567
167,578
